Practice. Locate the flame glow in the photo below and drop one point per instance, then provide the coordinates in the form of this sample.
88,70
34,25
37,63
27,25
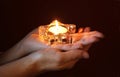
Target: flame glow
56,24
56,28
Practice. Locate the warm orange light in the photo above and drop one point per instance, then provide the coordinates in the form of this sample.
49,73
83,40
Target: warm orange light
56,28
56,24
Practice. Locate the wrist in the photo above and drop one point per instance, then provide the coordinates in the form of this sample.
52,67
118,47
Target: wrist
12,54
34,63
26,67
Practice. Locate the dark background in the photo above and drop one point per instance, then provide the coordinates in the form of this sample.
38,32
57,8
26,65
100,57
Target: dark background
19,17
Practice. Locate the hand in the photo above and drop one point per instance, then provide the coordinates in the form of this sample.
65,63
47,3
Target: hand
41,61
54,59
43,57
32,43
82,40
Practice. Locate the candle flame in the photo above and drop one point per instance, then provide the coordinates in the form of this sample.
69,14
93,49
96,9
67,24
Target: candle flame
56,24
57,28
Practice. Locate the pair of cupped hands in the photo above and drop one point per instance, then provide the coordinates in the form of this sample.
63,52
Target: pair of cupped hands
52,57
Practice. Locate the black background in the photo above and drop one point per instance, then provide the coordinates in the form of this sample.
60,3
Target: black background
19,17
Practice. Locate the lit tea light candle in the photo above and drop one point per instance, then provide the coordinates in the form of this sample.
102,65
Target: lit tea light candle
56,28
57,32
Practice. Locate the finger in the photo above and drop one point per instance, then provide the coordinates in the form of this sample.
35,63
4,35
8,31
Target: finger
63,46
94,33
80,30
91,37
87,29
76,37
77,45
89,40
86,35
71,55
68,46
35,31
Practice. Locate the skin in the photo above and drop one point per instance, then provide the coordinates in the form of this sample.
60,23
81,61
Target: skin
36,56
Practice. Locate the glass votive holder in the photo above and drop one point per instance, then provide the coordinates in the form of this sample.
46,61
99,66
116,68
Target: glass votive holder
51,38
